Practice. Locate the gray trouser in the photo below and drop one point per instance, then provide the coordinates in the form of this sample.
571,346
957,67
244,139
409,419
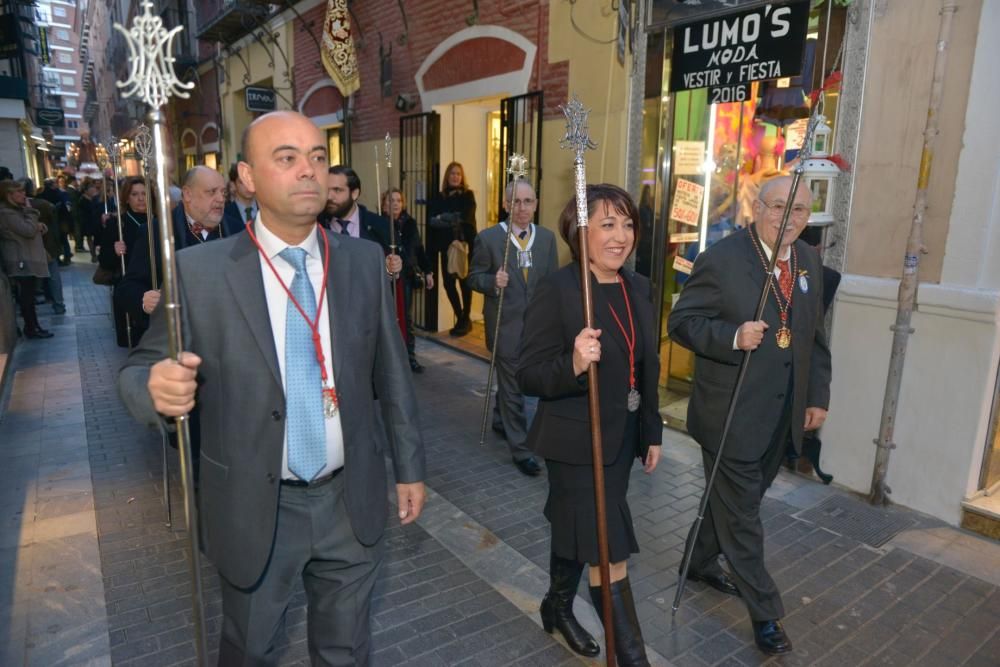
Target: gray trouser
313,540
510,400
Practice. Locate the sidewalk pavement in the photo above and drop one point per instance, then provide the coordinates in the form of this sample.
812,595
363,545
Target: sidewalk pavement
90,573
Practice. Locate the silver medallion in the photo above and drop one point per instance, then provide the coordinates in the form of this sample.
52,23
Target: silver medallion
633,399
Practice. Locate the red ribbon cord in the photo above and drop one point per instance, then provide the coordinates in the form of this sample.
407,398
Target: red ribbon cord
313,325
629,341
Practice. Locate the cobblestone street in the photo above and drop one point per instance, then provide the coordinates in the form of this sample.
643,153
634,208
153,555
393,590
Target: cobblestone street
90,572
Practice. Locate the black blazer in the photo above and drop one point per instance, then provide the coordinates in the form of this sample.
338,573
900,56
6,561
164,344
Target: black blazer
720,295
554,318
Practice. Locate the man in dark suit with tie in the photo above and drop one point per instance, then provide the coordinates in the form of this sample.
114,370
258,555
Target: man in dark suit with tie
786,391
241,207
532,256
344,215
293,478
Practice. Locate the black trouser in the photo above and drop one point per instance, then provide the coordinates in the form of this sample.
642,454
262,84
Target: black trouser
411,341
26,287
438,248
732,524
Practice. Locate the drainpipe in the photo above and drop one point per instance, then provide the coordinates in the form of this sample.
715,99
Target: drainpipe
879,493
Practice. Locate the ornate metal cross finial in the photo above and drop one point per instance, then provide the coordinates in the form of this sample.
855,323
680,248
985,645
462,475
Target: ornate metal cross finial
388,154
517,166
144,142
151,60
578,140
114,150
577,136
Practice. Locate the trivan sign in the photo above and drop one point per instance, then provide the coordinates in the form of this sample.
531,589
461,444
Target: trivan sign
726,53
261,99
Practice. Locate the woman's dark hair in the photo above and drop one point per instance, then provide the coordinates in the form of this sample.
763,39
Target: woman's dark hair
614,197
126,190
444,183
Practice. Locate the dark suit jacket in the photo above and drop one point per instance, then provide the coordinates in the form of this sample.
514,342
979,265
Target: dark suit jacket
221,292
561,429
233,219
374,227
721,294
138,279
487,257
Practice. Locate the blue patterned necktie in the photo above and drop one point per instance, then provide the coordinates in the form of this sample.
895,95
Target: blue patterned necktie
306,430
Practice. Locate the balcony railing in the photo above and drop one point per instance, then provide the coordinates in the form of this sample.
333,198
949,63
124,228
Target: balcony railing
234,20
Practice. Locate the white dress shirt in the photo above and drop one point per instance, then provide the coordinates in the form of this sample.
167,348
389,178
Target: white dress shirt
277,306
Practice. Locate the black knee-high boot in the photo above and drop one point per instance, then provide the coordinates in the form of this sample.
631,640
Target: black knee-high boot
557,606
629,646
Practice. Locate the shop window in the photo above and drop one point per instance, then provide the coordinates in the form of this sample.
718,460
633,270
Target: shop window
704,159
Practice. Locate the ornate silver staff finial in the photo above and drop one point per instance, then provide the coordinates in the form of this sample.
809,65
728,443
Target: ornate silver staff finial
807,143
388,155
577,139
114,150
144,143
151,60
517,166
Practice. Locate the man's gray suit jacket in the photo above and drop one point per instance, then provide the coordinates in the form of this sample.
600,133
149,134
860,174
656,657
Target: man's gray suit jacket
487,258
241,398
720,295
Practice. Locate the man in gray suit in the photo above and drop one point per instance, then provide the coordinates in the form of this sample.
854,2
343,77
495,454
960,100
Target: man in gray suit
786,390
532,256
290,331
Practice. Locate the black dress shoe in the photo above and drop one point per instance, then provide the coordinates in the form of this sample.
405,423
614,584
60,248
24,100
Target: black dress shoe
529,467
771,637
720,581
415,366
38,333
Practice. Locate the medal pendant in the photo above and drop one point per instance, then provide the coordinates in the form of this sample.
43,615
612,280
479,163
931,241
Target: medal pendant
633,400
331,402
784,338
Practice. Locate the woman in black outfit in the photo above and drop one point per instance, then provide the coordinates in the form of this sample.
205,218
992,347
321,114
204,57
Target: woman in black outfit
416,265
451,215
89,214
557,350
133,197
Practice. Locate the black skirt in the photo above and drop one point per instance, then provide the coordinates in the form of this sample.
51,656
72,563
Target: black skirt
571,511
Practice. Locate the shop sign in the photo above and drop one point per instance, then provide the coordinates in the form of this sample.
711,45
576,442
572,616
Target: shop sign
686,206
43,45
49,117
689,157
726,53
685,237
261,99
683,265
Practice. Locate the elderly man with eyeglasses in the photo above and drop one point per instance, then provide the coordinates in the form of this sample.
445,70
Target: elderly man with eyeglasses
786,391
531,257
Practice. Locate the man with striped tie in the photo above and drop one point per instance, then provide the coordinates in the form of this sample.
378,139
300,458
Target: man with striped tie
293,480
786,391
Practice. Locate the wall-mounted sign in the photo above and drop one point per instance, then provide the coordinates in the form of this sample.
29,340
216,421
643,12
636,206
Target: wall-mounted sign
43,45
261,99
49,117
726,53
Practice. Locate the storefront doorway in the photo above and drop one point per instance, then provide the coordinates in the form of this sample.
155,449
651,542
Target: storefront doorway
705,154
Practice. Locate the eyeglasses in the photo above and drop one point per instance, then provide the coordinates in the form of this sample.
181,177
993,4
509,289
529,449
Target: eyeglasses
524,203
776,208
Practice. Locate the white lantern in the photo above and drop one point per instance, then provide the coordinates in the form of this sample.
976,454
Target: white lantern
820,175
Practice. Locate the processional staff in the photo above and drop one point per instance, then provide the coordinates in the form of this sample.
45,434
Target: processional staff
144,147
393,248
578,140
804,155
152,79
102,164
114,151
517,167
